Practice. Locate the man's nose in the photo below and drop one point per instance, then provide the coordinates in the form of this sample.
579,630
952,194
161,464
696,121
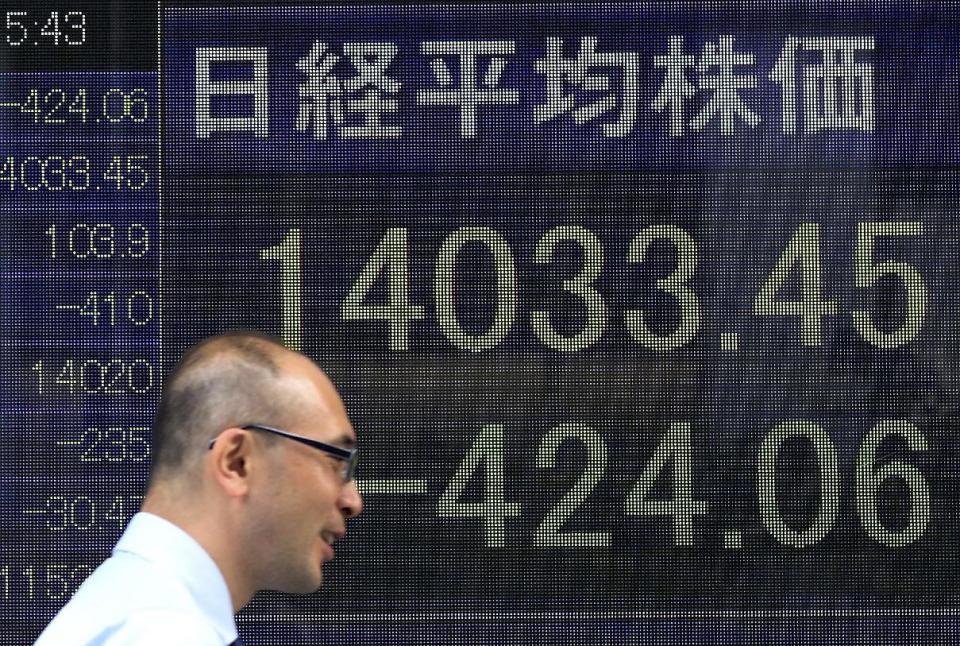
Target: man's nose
351,502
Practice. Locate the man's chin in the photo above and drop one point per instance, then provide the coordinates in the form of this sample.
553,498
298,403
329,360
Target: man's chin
307,581
305,587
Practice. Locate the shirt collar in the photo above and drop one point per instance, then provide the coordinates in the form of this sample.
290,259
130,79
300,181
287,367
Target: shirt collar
160,541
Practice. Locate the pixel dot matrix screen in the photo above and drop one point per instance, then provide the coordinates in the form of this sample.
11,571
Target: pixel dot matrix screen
645,313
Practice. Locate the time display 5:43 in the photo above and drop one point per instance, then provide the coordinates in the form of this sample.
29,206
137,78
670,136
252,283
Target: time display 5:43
51,28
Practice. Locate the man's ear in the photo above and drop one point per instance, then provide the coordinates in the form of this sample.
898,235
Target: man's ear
229,461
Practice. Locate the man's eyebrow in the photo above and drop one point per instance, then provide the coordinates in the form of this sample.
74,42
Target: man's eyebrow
346,440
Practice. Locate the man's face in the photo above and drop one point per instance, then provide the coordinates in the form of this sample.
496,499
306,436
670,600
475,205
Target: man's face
307,502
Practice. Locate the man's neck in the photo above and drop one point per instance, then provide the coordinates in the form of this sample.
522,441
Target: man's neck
209,531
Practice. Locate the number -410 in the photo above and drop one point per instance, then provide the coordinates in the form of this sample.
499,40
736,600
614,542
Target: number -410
801,253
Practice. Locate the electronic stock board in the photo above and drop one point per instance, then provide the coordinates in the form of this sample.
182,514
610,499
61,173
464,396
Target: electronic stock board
645,313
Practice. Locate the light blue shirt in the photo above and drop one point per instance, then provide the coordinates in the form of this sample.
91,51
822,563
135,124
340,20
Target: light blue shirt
159,587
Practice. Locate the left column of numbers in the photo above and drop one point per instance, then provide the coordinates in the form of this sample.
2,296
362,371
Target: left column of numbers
79,292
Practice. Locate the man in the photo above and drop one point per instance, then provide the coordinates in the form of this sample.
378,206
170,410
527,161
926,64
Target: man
251,483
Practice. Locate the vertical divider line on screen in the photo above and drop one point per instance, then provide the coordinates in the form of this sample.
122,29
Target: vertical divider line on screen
160,249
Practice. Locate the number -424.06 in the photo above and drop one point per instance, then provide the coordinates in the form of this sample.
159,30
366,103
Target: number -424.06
672,462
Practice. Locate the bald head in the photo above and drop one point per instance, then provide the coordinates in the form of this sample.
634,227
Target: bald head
229,380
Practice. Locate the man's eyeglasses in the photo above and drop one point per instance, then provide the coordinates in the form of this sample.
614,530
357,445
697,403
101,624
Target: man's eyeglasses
349,456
